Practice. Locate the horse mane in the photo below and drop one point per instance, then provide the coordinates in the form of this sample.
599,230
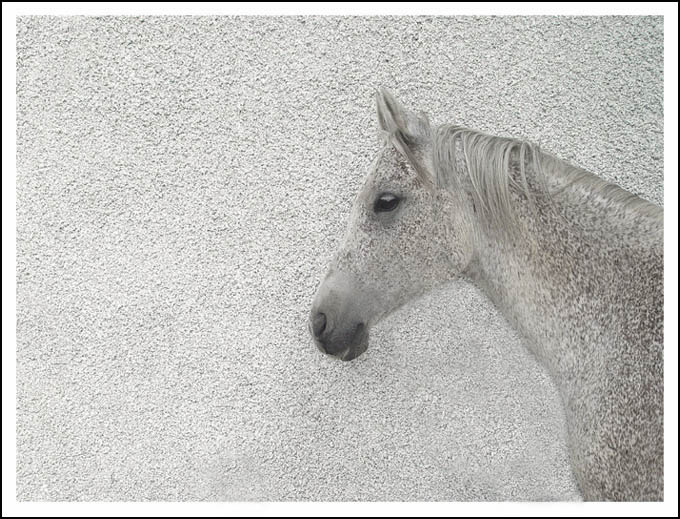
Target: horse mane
496,166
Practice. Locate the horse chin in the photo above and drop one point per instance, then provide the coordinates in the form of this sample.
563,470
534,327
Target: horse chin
359,345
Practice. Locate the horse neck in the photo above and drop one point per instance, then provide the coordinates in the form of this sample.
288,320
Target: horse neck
559,273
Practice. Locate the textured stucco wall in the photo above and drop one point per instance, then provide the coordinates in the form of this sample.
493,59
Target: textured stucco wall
183,183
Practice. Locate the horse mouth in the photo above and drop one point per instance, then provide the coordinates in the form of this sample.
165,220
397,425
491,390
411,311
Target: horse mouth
358,345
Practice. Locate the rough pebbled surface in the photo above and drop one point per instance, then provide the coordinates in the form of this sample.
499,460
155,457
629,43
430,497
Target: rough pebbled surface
182,185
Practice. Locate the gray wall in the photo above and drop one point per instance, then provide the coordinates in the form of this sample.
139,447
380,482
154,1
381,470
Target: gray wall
182,185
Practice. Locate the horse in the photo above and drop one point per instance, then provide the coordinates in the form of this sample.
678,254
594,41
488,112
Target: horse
573,262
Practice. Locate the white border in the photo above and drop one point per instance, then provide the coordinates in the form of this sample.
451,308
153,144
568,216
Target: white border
342,8
11,507
671,256
8,260
343,509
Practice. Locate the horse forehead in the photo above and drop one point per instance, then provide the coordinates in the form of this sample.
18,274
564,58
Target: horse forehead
390,164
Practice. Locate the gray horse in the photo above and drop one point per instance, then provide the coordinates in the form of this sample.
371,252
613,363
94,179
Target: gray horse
573,262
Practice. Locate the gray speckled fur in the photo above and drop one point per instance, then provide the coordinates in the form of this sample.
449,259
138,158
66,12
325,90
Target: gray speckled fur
579,272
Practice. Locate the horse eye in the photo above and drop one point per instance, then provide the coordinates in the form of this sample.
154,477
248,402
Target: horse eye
385,203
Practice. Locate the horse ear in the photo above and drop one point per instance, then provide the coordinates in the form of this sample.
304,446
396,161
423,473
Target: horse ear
385,115
393,116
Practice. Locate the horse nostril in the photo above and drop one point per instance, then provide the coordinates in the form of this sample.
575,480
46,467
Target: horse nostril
318,324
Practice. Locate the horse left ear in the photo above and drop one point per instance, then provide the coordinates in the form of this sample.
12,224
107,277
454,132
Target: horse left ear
392,116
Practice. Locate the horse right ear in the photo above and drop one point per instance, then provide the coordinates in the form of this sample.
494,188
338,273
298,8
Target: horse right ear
392,116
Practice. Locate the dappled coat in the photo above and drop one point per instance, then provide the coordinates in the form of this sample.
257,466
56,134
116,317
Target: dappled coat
573,262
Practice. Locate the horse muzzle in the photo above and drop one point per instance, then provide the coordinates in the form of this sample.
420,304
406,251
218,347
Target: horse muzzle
343,345
336,322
